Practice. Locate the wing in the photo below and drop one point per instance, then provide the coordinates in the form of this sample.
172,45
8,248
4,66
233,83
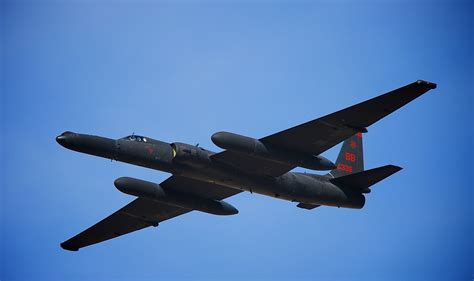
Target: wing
142,213
138,214
319,135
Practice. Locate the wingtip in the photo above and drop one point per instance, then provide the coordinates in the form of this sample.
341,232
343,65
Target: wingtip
65,246
427,84
395,168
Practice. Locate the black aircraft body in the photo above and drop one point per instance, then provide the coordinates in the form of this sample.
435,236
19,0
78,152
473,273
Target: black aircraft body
201,179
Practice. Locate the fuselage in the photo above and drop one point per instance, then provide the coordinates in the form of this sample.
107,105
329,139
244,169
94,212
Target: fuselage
196,163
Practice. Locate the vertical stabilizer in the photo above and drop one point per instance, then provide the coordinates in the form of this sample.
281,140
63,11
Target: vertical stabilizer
351,157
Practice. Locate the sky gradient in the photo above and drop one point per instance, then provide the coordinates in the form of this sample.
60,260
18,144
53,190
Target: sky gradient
180,71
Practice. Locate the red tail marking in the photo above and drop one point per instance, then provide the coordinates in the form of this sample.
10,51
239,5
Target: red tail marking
350,157
353,144
344,167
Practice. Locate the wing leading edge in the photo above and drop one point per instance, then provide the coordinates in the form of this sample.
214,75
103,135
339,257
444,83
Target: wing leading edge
142,213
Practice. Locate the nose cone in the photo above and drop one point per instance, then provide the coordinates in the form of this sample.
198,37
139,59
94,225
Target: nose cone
61,139
98,146
65,138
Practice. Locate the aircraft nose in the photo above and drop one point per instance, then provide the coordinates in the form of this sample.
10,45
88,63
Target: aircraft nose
61,139
90,144
64,138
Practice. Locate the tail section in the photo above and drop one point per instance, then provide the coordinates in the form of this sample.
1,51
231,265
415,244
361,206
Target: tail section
351,157
349,172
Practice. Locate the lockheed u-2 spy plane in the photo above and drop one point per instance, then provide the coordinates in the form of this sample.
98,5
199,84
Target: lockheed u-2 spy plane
201,179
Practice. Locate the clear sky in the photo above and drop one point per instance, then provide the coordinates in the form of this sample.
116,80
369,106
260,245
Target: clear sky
180,71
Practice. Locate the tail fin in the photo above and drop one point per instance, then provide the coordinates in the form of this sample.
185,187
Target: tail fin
351,157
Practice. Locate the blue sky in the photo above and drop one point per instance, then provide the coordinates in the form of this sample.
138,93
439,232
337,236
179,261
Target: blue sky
180,71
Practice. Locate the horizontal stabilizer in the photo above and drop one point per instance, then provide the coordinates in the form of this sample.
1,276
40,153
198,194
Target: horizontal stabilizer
307,206
363,180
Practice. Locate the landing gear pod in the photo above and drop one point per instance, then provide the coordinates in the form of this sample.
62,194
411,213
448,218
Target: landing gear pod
153,191
257,148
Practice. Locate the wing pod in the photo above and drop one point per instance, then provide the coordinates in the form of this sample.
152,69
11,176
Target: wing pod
257,148
153,191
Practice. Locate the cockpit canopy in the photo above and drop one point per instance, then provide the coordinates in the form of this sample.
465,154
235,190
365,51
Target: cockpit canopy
136,138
